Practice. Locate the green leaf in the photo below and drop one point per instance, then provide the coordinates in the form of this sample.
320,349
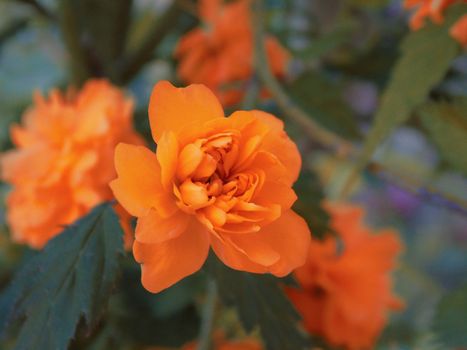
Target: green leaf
308,205
259,301
426,55
447,125
69,280
323,101
449,323
329,41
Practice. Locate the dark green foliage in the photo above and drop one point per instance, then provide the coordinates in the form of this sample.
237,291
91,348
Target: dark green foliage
69,280
168,318
426,55
323,101
309,203
260,302
450,321
447,125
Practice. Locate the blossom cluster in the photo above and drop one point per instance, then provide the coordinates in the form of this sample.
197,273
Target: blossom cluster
63,159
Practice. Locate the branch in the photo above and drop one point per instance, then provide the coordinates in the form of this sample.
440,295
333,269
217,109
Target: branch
290,109
207,317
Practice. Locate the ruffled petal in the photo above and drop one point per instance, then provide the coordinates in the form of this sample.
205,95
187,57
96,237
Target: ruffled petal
167,155
278,143
164,264
153,228
171,108
138,183
275,192
289,237
234,258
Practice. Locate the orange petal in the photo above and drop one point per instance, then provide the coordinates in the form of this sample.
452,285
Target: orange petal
209,10
189,42
171,108
289,236
190,158
138,181
167,155
257,251
268,163
125,222
19,166
275,192
252,131
234,258
215,215
21,137
206,168
278,143
194,195
277,56
154,228
164,264
459,30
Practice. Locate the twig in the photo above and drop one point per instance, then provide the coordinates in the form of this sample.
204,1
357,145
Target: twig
207,317
290,109
251,93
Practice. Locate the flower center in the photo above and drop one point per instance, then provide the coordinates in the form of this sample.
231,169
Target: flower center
214,181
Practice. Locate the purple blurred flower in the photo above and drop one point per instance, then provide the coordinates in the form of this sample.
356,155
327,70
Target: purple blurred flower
403,201
362,97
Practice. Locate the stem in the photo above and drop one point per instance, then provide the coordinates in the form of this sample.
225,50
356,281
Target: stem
207,317
251,93
292,111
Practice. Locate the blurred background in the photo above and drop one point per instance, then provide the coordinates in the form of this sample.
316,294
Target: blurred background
343,53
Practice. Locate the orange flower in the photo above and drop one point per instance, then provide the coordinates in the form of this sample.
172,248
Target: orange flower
214,181
220,53
434,9
63,160
426,8
345,295
459,30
